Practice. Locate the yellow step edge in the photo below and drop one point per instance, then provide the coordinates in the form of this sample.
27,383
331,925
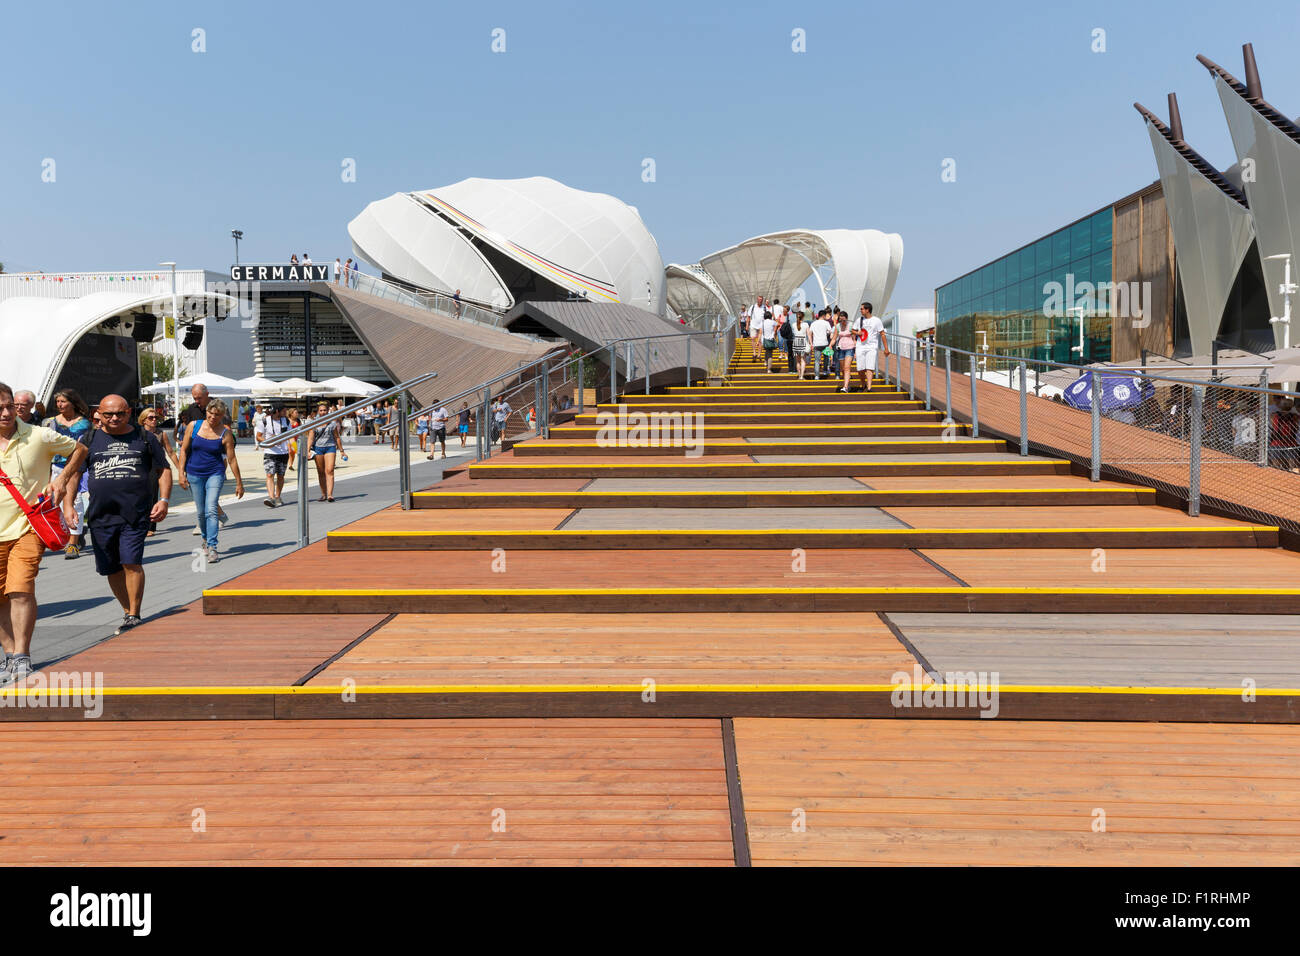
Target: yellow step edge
333,690
820,426
803,414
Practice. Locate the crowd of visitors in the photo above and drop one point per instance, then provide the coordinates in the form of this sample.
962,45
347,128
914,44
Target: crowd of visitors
830,337
108,472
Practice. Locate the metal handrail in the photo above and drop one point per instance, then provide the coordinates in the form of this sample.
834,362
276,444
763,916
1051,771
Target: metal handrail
346,410
1107,369
541,368
404,461
513,373
575,356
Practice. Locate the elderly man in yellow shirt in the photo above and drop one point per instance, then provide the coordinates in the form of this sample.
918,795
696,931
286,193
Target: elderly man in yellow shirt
26,453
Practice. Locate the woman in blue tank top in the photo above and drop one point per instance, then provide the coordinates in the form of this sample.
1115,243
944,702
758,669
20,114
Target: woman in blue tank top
206,448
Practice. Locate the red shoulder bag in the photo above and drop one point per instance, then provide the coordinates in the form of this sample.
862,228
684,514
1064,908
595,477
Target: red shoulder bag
45,517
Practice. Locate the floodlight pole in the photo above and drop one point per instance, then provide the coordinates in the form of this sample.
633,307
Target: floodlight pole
176,349
1288,288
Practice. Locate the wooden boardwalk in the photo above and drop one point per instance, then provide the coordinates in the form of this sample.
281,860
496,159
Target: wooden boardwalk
1008,793
362,792
635,655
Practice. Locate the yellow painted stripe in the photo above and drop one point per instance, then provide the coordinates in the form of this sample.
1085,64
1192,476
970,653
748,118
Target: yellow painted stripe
740,592
811,427
1150,492
333,690
764,414
760,532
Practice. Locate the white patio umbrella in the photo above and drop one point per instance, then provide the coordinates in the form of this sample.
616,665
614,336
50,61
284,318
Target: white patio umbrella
347,386
217,385
255,382
289,388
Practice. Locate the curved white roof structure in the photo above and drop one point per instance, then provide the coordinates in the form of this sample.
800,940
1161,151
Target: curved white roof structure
498,240
38,334
847,267
694,295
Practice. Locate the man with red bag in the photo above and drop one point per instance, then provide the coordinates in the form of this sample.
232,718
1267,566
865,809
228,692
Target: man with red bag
26,453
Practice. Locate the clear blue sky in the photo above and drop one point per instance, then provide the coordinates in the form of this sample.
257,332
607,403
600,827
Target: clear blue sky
161,151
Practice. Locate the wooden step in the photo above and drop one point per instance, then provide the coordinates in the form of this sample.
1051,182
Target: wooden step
563,539
514,468
884,446
230,599
865,497
712,428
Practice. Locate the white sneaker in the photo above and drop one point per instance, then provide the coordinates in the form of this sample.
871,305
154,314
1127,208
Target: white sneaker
213,557
195,531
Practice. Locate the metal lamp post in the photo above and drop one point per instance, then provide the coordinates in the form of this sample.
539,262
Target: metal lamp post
176,348
237,234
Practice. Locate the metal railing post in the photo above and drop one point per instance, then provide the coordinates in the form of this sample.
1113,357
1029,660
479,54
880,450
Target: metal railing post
1264,423
1024,411
613,375
478,434
974,403
403,454
911,371
1096,426
688,361
647,366
1194,462
929,354
304,535
947,382
537,401
582,385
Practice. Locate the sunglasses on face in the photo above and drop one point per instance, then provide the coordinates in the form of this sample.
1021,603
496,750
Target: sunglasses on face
113,414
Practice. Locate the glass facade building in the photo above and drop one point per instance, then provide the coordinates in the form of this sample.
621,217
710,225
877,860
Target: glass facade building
1004,307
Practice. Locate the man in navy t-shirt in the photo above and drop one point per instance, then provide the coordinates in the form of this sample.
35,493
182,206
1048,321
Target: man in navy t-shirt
121,466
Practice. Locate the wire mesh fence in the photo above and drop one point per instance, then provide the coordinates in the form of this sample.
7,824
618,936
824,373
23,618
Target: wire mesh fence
1228,447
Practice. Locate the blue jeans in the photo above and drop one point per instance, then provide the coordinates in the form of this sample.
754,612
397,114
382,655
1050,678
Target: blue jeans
206,490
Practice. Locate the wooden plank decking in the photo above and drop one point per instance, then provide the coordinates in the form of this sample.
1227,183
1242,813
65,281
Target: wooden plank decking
589,692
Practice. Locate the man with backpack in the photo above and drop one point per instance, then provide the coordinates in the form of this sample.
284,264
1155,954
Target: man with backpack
275,460
123,461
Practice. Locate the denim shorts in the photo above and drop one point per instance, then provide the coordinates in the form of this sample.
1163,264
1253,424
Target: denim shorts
118,544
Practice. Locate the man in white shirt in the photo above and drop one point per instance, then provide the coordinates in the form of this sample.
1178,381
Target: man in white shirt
756,313
338,269
275,460
438,429
500,412
870,346
819,335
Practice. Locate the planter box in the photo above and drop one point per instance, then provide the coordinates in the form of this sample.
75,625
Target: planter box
715,381
588,396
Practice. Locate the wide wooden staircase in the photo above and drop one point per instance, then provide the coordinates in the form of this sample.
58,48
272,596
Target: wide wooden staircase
641,643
